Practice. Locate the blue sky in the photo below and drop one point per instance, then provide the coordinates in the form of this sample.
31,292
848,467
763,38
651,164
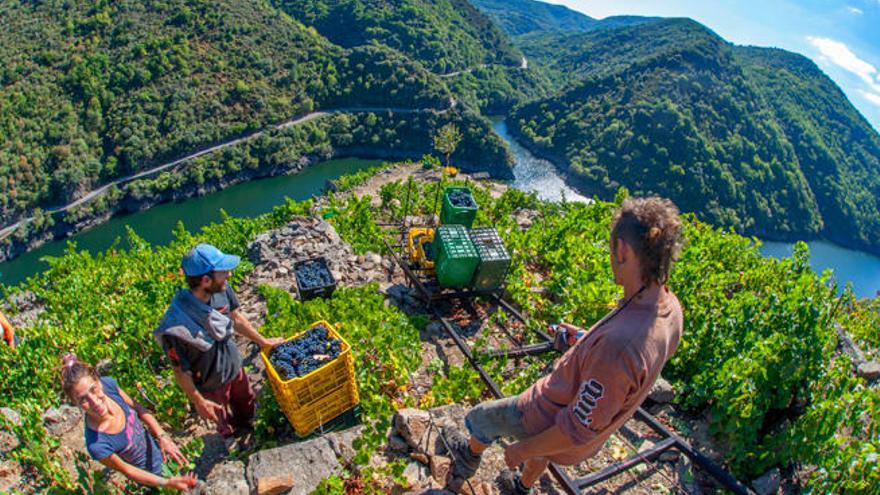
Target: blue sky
842,37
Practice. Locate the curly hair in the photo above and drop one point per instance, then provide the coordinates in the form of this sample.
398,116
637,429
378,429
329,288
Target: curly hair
652,227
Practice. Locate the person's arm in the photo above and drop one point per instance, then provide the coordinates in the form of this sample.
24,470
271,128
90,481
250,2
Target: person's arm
204,407
606,382
180,366
244,327
147,478
166,445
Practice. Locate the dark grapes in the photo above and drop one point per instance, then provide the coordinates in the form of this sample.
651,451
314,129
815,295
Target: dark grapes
462,199
313,274
429,254
301,356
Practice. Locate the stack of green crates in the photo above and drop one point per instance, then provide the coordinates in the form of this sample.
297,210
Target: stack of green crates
494,259
455,258
458,215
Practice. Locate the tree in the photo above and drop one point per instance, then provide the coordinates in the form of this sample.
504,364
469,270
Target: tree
447,139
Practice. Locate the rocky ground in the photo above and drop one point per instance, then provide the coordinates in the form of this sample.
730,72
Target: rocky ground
298,467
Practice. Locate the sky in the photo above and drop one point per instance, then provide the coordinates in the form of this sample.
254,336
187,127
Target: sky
841,36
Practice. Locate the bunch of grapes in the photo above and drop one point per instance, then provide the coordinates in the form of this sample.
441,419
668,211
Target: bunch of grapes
462,199
299,357
429,254
313,273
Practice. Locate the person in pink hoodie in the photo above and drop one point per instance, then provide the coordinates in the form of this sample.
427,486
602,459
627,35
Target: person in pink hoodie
605,375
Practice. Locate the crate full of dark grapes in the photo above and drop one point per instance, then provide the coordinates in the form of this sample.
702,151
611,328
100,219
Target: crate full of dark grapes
459,207
494,259
455,258
313,278
312,376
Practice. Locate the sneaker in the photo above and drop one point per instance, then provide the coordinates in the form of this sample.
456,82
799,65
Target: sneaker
464,461
510,483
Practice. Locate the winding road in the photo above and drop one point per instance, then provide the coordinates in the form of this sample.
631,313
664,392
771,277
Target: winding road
9,229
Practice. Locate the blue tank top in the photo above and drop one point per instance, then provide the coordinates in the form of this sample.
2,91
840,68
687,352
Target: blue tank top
133,444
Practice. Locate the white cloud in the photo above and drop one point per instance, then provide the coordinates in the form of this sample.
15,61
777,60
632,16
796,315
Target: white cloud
839,54
854,10
871,97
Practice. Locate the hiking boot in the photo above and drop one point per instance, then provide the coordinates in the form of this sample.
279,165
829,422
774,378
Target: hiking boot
510,483
464,461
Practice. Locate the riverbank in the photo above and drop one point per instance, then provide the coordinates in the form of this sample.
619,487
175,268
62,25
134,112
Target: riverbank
861,267
282,151
585,187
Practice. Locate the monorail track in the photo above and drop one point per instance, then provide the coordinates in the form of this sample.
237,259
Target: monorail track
432,296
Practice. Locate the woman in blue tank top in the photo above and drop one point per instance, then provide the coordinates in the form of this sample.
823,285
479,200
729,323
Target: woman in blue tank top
115,428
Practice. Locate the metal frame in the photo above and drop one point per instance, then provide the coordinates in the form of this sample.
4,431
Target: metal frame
572,486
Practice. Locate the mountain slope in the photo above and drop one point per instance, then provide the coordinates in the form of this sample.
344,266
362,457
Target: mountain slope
451,38
567,58
444,35
517,17
838,150
665,108
92,91
756,138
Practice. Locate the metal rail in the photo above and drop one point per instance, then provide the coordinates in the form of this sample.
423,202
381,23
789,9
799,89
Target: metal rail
571,486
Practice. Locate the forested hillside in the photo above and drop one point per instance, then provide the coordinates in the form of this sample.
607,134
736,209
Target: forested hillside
444,35
750,138
517,17
450,38
838,150
90,91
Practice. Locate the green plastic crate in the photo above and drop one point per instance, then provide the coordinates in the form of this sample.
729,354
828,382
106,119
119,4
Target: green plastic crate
494,259
455,258
458,215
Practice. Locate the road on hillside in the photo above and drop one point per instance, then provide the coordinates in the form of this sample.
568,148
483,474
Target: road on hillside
6,231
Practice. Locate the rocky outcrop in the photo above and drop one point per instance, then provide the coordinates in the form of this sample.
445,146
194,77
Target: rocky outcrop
66,423
662,391
275,252
10,471
431,463
298,468
768,483
227,478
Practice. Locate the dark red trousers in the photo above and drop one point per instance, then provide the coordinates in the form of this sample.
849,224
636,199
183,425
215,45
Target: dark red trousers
239,404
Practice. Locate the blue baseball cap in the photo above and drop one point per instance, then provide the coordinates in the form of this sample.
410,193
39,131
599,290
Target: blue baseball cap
206,258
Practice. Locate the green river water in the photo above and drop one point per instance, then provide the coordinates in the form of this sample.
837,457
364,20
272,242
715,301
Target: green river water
156,224
259,196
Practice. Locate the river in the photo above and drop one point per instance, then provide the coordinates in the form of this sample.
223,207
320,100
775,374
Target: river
253,198
157,224
533,174
862,269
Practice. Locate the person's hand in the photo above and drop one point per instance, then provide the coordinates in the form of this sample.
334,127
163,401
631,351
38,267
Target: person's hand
270,343
513,455
208,409
170,451
571,332
181,483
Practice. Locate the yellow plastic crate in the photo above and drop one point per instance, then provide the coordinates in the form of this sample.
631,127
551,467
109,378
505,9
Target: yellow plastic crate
320,396
417,238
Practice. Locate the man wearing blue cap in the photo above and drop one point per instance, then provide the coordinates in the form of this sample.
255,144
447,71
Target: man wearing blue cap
196,335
